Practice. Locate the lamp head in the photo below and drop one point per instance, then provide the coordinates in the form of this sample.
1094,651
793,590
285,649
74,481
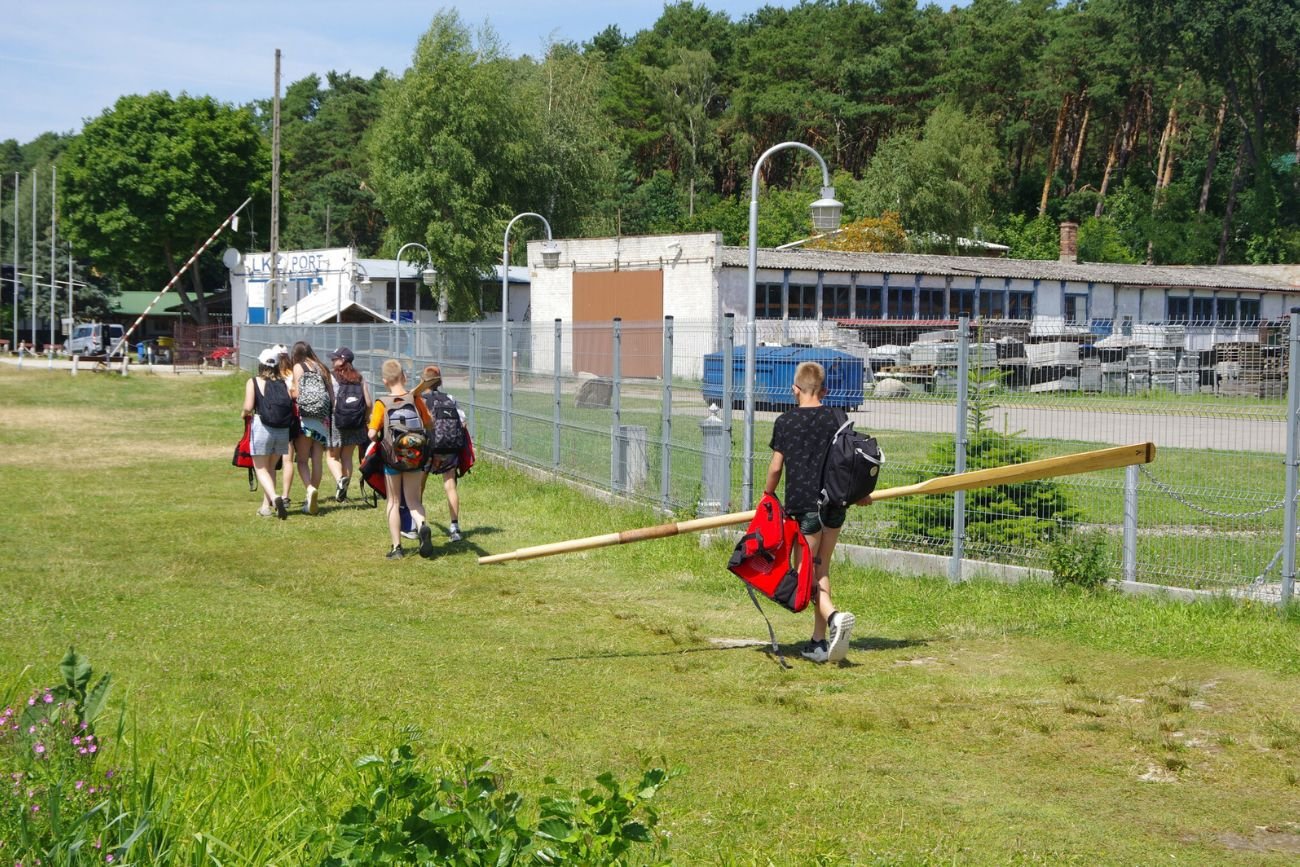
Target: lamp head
550,254
826,211
428,276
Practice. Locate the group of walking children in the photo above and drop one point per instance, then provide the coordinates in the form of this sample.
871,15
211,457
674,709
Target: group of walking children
316,415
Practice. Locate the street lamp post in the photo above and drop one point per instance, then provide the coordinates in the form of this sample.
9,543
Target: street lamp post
550,258
426,277
353,267
825,216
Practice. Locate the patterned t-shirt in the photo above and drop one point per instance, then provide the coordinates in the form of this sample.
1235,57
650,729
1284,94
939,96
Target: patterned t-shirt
802,435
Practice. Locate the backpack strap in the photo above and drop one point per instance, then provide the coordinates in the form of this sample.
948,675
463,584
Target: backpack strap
844,421
771,633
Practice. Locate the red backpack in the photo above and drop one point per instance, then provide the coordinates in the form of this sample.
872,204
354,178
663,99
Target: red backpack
762,561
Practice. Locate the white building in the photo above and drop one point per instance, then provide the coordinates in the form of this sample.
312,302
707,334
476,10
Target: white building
334,285
694,277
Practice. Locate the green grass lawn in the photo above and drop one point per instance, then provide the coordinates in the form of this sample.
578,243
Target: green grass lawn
257,659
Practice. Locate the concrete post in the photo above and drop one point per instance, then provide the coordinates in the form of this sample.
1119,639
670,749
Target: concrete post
715,484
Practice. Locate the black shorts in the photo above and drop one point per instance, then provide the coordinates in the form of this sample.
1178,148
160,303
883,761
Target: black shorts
830,517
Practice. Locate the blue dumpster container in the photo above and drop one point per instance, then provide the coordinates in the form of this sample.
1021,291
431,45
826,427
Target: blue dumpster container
774,369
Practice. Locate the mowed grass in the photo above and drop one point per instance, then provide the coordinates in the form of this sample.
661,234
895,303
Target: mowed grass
256,659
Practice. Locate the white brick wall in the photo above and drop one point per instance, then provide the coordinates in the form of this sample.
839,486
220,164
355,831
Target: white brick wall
689,263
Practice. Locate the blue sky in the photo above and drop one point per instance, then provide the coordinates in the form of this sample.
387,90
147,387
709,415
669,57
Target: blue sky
63,61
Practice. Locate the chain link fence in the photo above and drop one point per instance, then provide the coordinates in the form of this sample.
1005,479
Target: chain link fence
652,412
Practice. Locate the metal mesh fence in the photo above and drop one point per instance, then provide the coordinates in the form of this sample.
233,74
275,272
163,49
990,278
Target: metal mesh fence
653,412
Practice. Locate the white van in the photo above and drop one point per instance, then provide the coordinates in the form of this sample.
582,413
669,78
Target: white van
94,338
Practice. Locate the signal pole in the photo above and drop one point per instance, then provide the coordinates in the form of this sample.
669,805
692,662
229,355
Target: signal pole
275,190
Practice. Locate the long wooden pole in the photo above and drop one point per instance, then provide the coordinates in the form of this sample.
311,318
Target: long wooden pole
1065,465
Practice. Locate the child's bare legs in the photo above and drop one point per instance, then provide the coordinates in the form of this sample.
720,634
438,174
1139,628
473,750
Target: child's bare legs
822,546
334,459
286,482
453,496
411,488
310,465
262,468
393,506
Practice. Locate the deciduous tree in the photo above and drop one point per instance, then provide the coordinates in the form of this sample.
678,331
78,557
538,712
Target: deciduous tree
149,179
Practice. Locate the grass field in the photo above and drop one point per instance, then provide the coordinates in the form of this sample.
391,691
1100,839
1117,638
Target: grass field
257,659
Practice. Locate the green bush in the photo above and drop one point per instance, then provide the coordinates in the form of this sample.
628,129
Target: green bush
462,814
1000,519
1079,560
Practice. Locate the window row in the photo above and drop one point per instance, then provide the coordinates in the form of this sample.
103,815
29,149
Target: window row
1202,309
898,302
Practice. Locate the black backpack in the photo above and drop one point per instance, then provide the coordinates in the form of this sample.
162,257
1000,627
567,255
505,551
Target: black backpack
273,404
851,466
447,435
350,405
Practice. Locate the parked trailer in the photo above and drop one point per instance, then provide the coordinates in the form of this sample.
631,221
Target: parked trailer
774,369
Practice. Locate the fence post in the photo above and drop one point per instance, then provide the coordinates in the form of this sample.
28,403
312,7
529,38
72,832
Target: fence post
666,409
473,378
507,389
728,399
555,422
715,466
1292,407
1130,523
959,497
615,403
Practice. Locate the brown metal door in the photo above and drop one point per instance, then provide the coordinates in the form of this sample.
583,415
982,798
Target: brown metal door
637,297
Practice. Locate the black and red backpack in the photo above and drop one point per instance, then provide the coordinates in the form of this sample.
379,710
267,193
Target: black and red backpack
762,561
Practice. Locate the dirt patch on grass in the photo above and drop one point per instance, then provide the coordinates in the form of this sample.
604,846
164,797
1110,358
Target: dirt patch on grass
93,438
1264,839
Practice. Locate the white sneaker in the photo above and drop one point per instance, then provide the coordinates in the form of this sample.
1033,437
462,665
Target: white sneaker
266,511
838,631
311,507
341,490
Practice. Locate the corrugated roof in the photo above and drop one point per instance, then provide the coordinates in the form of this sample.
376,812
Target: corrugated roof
385,269
133,303
321,307
1169,276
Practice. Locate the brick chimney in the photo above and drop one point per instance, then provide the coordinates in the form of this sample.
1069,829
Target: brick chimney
1069,241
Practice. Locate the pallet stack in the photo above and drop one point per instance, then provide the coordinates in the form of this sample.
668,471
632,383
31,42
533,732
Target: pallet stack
1250,370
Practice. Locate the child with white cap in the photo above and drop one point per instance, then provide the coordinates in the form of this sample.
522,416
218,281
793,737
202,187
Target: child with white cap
268,405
